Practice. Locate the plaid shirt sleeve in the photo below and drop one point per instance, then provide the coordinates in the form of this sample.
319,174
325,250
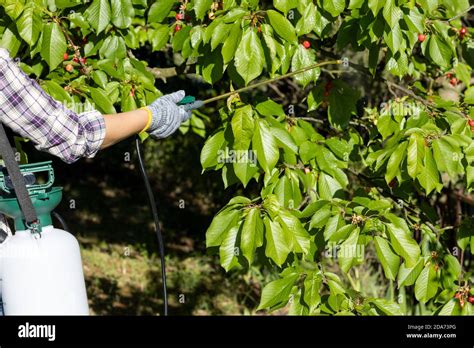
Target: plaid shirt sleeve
32,113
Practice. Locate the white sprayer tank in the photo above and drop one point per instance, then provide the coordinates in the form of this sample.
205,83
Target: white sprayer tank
43,275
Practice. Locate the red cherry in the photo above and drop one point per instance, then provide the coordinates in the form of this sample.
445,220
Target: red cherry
329,86
65,56
75,60
471,123
421,37
177,28
306,44
449,75
471,299
463,31
69,68
453,81
83,60
179,17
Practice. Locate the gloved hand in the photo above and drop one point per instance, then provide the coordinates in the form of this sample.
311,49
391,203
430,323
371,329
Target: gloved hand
167,115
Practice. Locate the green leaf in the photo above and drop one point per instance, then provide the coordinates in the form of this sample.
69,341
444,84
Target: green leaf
415,21
392,13
244,168
292,226
102,101
334,7
249,58
11,40
342,104
447,157
463,72
469,96
402,242
232,42
122,13
100,78
439,51
394,163
426,285
127,102
13,8
307,22
210,151
211,66
328,186
429,176
228,249
284,139
30,25
252,234
159,10
220,34
277,292
376,6
284,191
387,307
270,108
321,217
416,154
408,276
285,5
201,7
53,45
242,127
265,146
98,14
278,242
350,251
450,308
113,47
429,5
389,260
221,223
394,39
282,26
158,37
302,59
312,290
56,91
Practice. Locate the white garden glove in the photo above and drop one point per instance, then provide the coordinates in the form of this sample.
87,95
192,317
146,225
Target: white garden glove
167,116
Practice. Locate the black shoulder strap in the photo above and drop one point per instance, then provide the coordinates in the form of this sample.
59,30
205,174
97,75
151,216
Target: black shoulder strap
17,179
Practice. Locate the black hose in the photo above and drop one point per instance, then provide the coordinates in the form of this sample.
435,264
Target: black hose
61,221
154,211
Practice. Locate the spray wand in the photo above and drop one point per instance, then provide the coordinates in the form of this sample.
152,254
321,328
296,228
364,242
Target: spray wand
191,100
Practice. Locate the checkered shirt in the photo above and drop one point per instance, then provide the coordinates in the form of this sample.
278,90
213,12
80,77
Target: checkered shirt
30,112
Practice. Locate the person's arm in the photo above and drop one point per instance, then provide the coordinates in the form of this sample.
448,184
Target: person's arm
121,126
161,119
30,112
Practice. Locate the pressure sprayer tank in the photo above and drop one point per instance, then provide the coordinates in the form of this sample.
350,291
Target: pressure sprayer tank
41,272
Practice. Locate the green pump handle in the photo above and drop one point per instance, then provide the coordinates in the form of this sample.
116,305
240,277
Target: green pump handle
189,99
